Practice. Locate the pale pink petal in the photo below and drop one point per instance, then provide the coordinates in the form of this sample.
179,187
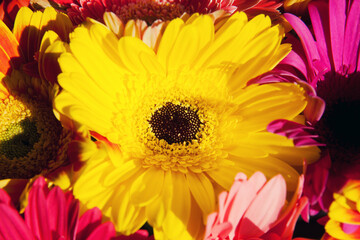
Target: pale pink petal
237,204
210,223
222,201
337,12
352,38
36,213
221,230
286,227
264,209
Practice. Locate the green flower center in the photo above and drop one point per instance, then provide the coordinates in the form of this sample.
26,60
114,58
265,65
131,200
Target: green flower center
175,123
18,139
32,140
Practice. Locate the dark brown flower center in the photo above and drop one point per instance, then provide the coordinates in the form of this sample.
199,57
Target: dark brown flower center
339,126
175,123
148,11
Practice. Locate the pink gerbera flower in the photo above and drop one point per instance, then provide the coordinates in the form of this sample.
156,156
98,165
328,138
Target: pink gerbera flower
53,214
255,209
150,10
328,59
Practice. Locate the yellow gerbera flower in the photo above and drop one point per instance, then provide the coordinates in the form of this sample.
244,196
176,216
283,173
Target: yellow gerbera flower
180,119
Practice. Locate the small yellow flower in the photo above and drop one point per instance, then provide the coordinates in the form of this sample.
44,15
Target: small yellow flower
344,213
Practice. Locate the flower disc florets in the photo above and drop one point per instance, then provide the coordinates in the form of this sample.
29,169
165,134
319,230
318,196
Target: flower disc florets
29,133
175,123
178,133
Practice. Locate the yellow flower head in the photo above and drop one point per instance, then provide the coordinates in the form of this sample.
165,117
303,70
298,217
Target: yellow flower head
32,140
179,117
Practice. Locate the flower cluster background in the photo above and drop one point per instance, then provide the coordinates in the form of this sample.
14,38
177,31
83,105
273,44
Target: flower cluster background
180,119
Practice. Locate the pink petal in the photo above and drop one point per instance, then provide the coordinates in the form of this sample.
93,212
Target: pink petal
264,209
349,228
316,179
36,213
105,231
90,220
58,212
352,38
139,235
12,226
220,231
4,197
72,208
294,59
314,109
337,28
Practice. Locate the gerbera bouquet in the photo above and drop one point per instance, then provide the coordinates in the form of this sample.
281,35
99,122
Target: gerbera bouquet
156,119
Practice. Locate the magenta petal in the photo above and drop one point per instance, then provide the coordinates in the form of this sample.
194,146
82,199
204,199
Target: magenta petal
306,37
320,22
12,226
36,213
90,220
349,228
337,14
105,231
295,131
352,38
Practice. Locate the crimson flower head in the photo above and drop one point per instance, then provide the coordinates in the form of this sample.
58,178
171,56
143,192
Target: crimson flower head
151,10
